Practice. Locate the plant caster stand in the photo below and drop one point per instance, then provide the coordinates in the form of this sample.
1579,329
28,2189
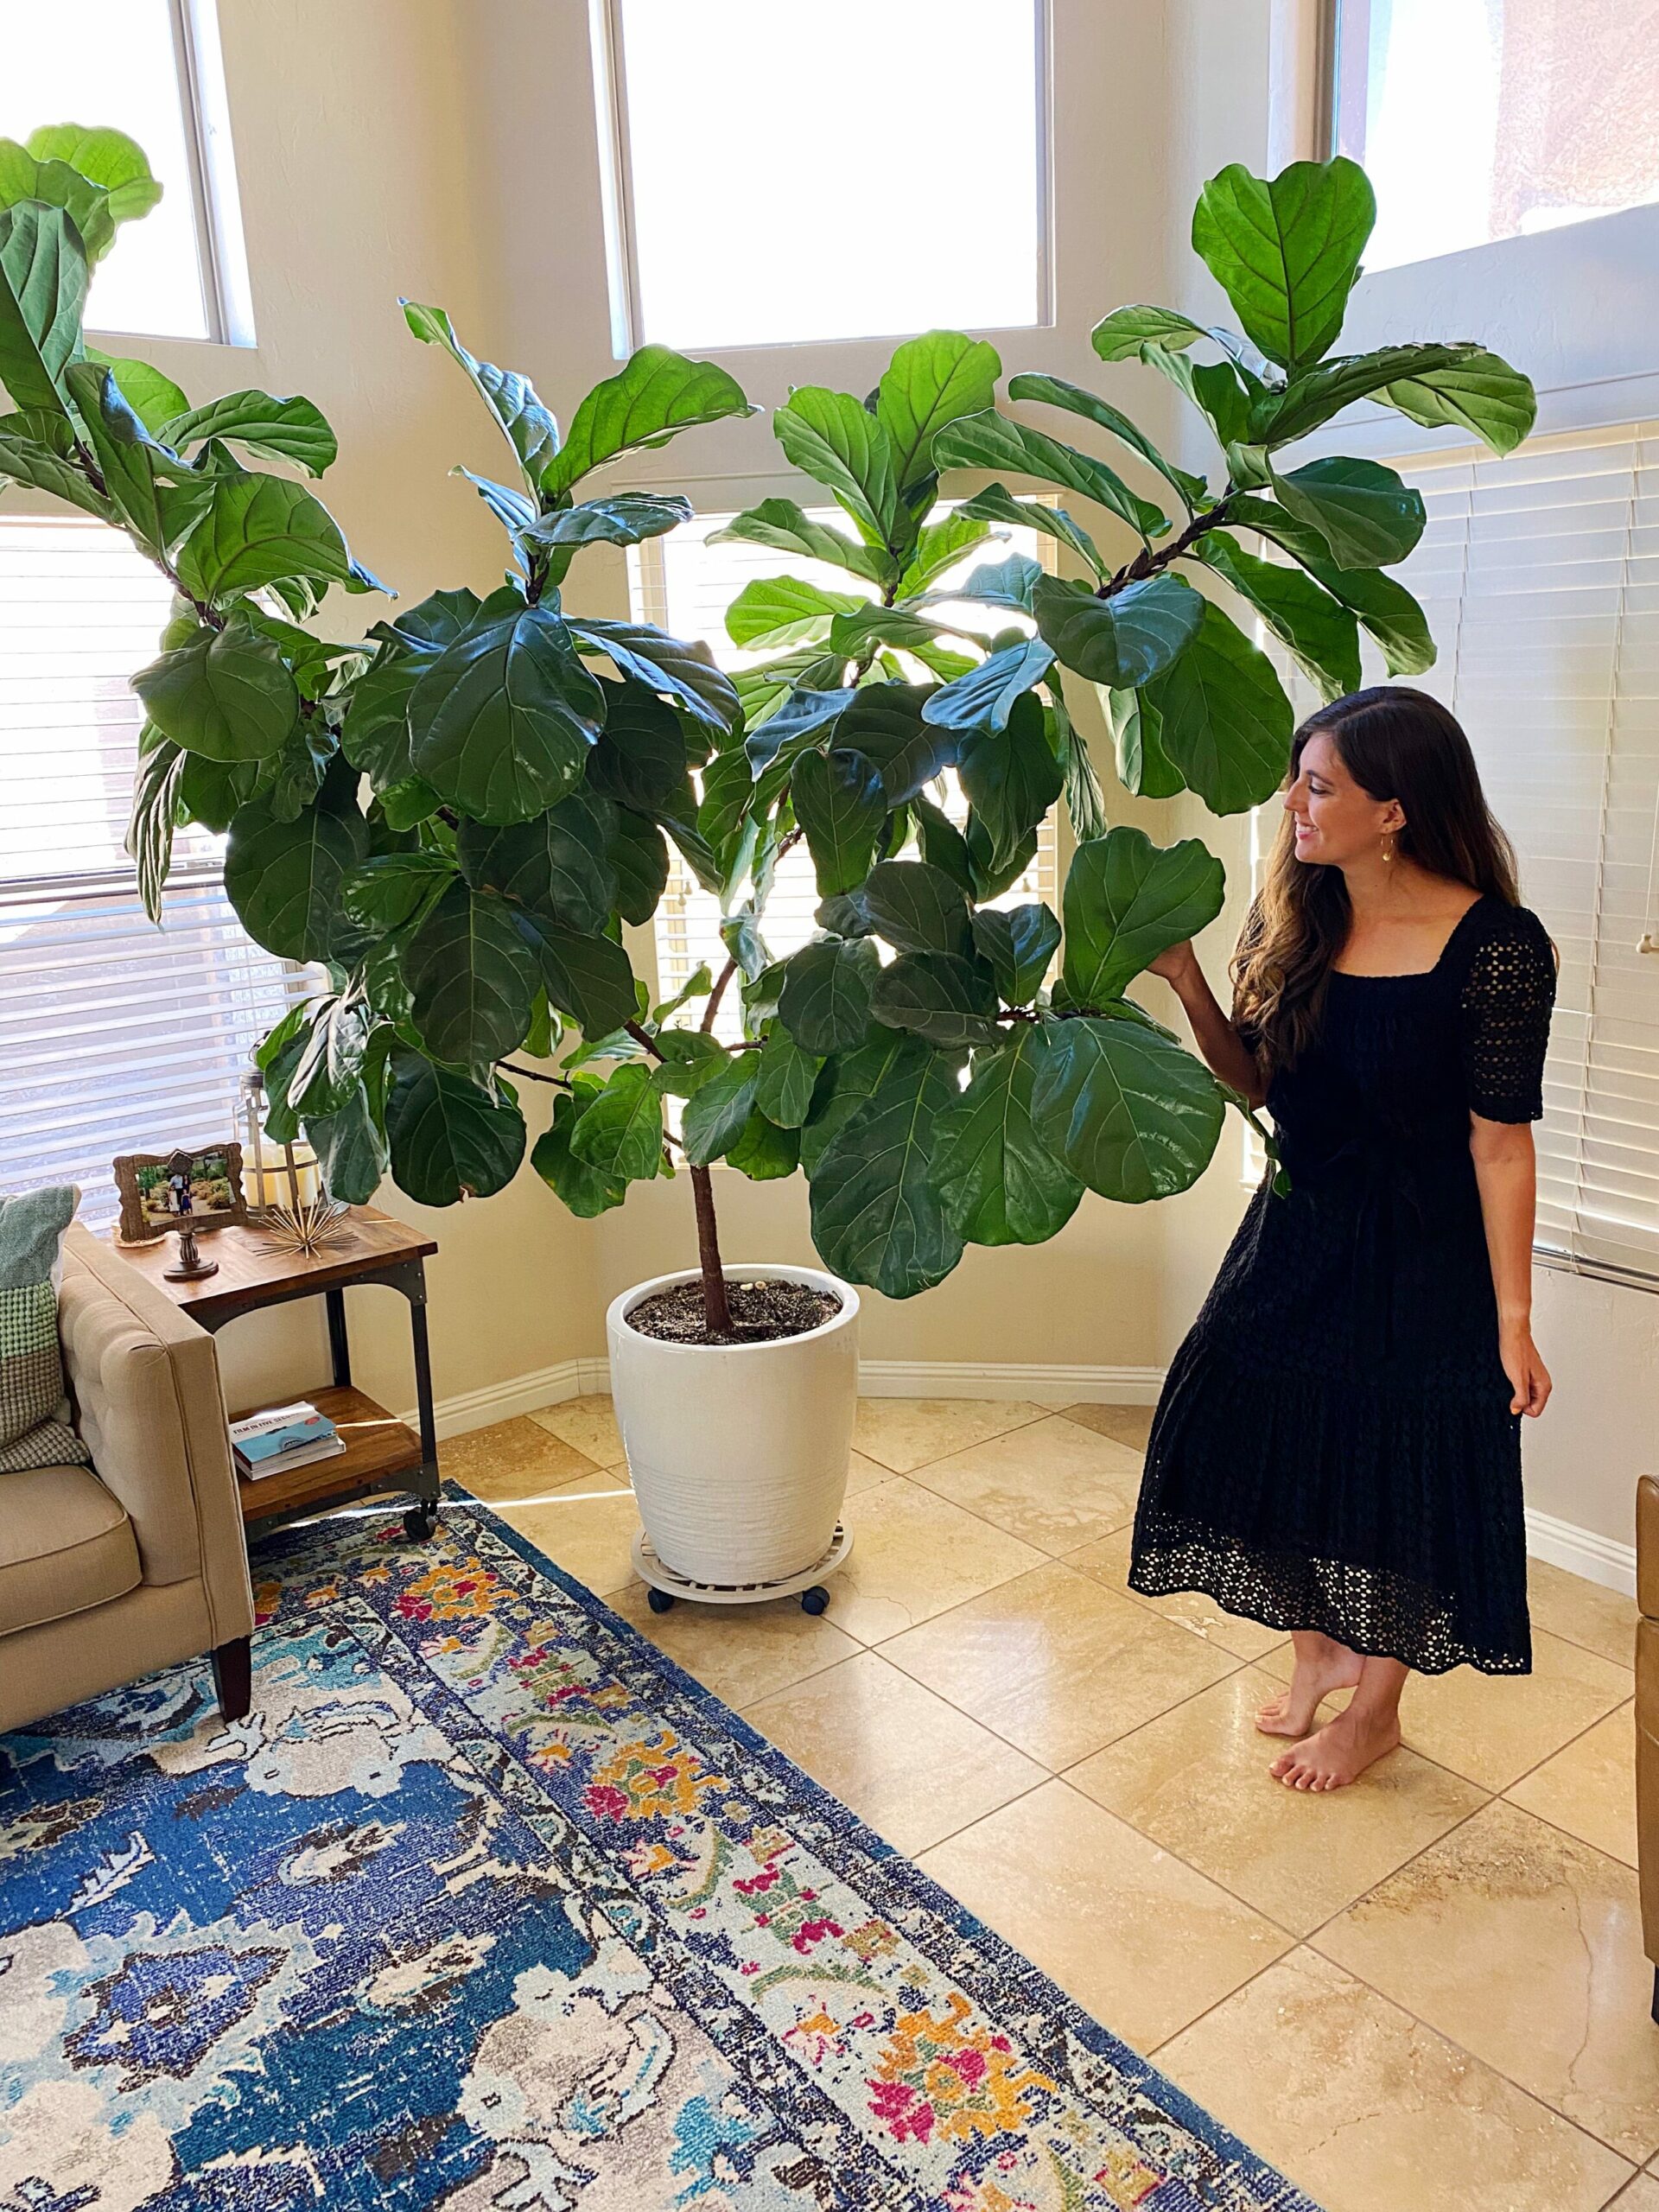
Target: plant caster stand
664,1585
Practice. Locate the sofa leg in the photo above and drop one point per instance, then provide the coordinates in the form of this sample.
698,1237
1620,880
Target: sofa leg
233,1677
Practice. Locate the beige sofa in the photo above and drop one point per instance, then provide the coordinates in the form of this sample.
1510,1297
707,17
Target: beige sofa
136,1562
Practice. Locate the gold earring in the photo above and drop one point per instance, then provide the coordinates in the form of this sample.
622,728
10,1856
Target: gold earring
1388,847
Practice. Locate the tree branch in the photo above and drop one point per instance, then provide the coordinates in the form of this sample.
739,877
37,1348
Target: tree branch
1147,563
534,1075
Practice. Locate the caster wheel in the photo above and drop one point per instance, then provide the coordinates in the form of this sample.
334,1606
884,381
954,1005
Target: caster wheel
659,1601
419,1522
815,1600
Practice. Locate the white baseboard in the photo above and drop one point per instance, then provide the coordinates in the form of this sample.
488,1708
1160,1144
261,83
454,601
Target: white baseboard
1582,1551
1598,1558
1046,1385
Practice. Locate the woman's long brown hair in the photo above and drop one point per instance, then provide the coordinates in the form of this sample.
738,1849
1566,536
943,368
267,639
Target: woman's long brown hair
1395,743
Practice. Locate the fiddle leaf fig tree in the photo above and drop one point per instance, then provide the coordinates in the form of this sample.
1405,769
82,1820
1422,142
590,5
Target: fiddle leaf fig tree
455,816
979,1067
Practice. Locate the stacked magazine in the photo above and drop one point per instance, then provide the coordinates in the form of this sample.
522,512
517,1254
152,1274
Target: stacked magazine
284,1437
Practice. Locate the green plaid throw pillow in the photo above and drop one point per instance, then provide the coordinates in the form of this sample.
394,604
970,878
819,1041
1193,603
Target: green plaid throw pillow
35,1414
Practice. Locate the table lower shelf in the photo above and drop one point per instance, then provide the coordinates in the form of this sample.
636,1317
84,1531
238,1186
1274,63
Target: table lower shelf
379,1452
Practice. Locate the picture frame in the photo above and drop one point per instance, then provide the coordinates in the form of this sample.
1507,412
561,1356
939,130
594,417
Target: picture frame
196,1187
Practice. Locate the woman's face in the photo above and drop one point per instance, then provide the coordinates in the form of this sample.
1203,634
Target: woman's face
1336,820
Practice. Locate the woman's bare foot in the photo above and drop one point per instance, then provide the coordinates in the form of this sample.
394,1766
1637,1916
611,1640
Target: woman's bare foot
1321,1667
1339,1752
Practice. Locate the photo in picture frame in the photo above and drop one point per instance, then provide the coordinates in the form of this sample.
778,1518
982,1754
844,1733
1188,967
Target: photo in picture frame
197,1188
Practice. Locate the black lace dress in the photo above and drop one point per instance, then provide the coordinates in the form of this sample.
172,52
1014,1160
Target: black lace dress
1334,1447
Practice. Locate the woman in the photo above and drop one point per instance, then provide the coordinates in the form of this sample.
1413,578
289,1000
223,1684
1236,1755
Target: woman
1337,1450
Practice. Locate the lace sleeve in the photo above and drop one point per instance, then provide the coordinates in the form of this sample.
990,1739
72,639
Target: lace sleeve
1507,998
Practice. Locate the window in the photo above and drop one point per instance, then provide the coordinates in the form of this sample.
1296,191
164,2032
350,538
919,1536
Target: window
758,200
686,584
1482,119
114,1036
1539,577
151,68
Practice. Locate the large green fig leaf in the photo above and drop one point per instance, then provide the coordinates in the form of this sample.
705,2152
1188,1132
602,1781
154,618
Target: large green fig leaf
1384,607
785,1080
556,863
931,380
765,1152
1129,1113
33,460
637,856
451,1138
587,1190
998,1180
884,722
1122,641
991,440
876,1217
824,1003
24,176
471,977
915,907
685,671
1143,766
108,157
1225,722
717,1112
277,428
624,518
939,995
501,721
586,976
1320,634
258,530
1011,777
786,526
1477,392
392,890
1313,395
352,1155
225,693
1018,941
985,697
654,395
620,1135
1127,900
830,438
285,878
1057,392
1286,250
1366,515
1120,336
527,426
775,611
839,804
997,503
42,293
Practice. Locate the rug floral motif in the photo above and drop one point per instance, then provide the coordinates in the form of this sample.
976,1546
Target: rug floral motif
487,1905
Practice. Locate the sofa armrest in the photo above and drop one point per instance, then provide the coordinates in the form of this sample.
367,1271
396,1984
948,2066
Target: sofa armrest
145,1382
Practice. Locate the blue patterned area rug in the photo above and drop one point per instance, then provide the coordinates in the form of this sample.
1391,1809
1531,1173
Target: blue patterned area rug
488,1906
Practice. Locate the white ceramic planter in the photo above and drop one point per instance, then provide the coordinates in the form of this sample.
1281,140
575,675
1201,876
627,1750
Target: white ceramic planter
739,1453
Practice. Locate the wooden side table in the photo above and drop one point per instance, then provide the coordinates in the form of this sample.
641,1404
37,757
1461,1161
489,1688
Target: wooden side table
381,1454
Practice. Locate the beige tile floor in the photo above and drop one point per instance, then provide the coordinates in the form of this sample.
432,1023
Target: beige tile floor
1426,1993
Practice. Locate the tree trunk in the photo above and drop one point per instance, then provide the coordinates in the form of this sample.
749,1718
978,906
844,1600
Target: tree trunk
717,1313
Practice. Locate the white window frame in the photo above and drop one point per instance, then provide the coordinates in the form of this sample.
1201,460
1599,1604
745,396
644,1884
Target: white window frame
197,57
616,173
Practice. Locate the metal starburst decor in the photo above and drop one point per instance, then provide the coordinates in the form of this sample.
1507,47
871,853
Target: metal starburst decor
308,1227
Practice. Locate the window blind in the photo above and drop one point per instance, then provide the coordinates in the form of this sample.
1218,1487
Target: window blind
1539,577
115,1036
685,584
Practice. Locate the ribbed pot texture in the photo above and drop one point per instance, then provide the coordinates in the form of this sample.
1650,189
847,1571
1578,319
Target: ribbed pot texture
738,1452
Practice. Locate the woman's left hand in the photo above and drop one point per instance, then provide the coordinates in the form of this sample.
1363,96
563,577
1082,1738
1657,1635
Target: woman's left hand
1529,1376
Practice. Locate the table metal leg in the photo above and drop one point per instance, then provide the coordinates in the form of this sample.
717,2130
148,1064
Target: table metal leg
339,1348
